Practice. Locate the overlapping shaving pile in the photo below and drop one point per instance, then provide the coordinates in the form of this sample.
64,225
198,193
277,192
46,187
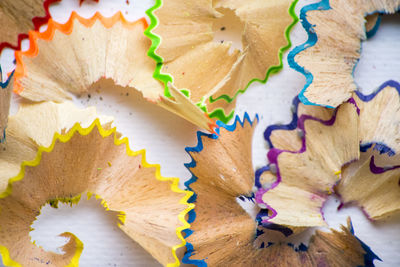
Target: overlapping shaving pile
69,58
92,161
325,148
336,29
357,146
224,234
211,72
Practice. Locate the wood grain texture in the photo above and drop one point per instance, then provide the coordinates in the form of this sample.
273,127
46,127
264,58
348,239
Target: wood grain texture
331,61
35,125
92,161
18,17
223,232
5,101
68,58
191,55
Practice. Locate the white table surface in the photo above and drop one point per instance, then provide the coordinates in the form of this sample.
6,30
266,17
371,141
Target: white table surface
165,136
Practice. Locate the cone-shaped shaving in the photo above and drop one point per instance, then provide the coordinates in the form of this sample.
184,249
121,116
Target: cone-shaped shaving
93,161
290,204
380,117
69,58
364,179
214,70
223,234
336,29
306,177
